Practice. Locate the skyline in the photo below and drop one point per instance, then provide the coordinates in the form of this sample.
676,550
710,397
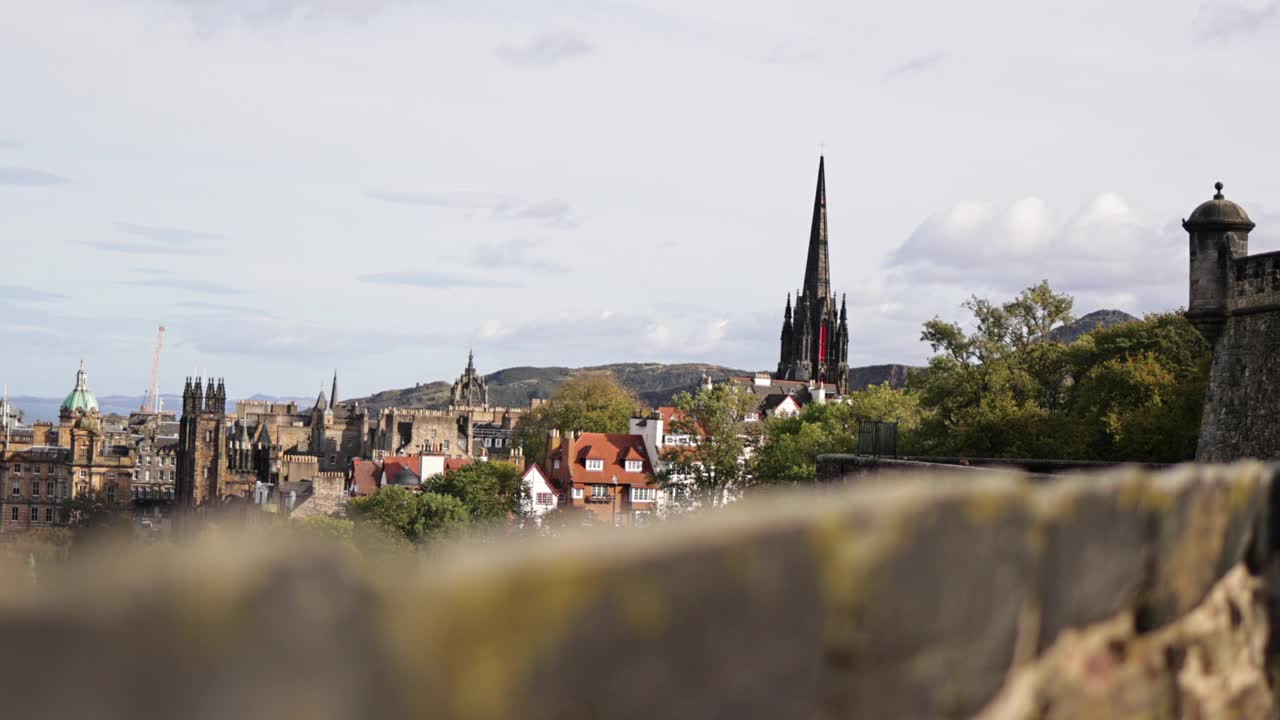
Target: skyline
295,186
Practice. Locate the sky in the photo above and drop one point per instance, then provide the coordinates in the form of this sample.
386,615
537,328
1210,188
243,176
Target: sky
376,186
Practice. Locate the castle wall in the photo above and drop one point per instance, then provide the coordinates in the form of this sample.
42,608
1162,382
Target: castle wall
1255,283
1240,419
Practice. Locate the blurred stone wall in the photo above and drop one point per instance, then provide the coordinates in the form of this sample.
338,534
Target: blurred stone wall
1127,594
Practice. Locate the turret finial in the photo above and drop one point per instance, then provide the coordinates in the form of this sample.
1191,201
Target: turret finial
1218,186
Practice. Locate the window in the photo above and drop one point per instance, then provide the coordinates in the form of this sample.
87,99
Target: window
577,495
497,442
49,469
17,489
635,465
82,475
641,518
599,491
488,442
595,465
35,514
555,464
17,467
146,476
643,494
48,488
48,515
35,488
544,498
445,446
35,469
13,514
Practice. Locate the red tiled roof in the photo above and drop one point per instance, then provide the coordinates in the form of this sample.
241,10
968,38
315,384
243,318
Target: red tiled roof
393,464
364,477
614,449
455,463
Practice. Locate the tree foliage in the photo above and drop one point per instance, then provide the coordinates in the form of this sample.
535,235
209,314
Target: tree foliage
490,491
1132,392
417,516
587,402
715,464
1002,386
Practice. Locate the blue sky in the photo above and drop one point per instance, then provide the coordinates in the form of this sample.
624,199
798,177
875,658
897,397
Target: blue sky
293,186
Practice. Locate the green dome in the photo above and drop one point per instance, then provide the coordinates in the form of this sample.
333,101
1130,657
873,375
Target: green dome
80,398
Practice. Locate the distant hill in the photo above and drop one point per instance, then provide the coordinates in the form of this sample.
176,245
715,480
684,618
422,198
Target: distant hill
1071,332
654,383
868,375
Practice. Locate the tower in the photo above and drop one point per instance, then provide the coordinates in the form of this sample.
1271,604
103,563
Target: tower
815,335
1219,235
202,444
470,390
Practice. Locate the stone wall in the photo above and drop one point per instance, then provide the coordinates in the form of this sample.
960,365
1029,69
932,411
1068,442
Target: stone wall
1240,416
1128,594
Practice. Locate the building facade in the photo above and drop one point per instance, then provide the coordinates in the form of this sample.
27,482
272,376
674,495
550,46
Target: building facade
815,333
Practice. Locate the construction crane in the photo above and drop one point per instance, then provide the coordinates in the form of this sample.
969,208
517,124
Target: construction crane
151,403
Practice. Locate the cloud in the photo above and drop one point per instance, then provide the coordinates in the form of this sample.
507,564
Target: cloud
918,64
1223,20
174,283
254,334
21,293
436,280
159,240
208,13
553,212
546,49
1102,247
514,253
28,177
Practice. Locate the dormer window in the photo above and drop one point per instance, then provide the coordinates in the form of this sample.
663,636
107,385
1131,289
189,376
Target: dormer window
595,465
634,466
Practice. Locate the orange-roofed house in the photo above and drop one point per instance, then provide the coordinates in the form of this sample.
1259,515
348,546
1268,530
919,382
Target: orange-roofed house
609,477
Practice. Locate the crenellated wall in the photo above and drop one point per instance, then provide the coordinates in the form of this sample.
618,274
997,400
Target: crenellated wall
1126,594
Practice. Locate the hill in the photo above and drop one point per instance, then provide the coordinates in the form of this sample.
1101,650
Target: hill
1071,332
654,383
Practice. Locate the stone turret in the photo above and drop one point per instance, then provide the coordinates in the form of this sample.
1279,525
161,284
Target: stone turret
1219,235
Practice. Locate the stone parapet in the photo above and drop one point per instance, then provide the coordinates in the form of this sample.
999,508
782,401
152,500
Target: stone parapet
921,595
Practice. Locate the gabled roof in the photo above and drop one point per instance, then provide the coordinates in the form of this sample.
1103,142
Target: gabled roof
391,466
613,449
364,477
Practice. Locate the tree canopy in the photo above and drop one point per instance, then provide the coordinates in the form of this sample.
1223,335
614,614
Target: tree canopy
587,402
714,465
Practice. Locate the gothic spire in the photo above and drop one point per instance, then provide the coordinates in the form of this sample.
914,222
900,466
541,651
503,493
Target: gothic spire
786,318
817,277
844,313
333,394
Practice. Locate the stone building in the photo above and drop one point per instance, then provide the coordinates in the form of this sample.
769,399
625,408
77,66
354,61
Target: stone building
44,464
815,335
469,428
470,390
334,432
1235,304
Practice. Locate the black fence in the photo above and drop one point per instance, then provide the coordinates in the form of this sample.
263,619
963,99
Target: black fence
877,438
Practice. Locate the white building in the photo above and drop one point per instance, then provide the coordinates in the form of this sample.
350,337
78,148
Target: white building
541,496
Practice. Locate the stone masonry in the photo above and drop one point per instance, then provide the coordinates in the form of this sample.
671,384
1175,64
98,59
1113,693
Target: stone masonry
1127,594
1235,304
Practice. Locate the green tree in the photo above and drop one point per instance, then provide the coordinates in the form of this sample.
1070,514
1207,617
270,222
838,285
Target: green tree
91,510
417,516
587,402
490,491
715,464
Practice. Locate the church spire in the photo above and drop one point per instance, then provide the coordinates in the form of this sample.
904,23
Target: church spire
817,277
333,394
